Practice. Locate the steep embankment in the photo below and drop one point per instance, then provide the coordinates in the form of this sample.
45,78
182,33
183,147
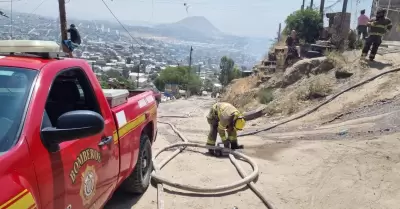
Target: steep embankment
311,81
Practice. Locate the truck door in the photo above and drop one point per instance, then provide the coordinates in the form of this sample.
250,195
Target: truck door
83,173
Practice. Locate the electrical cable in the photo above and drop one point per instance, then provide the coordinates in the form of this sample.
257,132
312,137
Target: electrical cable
34,10
116,18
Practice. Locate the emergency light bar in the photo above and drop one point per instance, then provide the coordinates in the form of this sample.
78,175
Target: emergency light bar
28,46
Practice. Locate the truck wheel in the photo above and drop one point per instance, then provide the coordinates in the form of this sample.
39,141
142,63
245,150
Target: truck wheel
139,179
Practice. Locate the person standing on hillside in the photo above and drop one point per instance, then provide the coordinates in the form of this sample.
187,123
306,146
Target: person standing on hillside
224,116
379,26
362,28
292,41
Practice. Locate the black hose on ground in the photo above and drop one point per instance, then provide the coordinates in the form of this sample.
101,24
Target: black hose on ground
246,179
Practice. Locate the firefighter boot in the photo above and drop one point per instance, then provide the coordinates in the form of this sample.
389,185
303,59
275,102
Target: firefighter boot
371,57
234,145
211,151
227,144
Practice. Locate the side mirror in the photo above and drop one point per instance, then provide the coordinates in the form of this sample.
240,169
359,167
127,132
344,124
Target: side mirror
72,125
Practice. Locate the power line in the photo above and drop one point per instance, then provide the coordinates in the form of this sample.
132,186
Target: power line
105,4
37,7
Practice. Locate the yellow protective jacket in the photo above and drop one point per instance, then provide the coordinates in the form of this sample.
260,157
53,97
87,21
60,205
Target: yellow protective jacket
223,113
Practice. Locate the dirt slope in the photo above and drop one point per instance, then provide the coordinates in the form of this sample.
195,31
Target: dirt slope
311,81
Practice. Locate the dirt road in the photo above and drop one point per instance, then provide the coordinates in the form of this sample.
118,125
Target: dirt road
296,169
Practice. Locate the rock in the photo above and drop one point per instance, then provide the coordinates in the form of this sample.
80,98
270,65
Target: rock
299,69
325,66
341,74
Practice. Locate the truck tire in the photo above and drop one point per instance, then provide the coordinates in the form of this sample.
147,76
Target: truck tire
139,179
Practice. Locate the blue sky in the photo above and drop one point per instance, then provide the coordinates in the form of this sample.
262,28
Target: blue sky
258,18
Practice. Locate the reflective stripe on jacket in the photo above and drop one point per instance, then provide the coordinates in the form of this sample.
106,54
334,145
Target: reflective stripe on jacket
379,27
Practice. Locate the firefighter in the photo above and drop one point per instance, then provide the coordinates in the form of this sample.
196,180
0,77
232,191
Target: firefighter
379,26
224,116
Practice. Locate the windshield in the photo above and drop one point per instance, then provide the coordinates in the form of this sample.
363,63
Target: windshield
15,88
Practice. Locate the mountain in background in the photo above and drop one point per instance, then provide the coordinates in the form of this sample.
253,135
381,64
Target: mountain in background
200,29
197,24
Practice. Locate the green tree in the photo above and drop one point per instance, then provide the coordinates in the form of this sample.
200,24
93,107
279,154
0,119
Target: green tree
183,76
113,74
114,79
208,84
307,23
153,76
237,73
227,70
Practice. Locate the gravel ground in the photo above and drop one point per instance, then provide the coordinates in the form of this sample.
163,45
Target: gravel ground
298,168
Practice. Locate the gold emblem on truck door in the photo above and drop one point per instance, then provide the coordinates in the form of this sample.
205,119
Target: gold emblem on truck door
83,157
88,187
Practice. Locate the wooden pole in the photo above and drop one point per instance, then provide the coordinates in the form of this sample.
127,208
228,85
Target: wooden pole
63,24
321,9
311,4
302,6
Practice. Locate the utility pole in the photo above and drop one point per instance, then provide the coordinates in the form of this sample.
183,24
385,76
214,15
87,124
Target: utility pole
63,23
190,57
302,6
321,9
279,32
311,4
11,20
343,16
199,67
344,8
138,72
190,70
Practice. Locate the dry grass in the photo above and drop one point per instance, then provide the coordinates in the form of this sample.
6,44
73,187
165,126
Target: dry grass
293,99
337,58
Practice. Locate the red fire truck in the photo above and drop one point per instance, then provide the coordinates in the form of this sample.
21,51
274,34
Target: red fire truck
64,141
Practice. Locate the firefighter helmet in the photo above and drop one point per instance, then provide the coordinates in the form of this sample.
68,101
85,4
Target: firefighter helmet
381,13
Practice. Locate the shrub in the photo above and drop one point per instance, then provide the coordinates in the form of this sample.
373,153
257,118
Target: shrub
265,95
